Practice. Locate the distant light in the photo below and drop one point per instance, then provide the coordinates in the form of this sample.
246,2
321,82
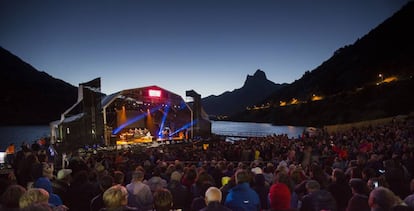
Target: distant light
154,93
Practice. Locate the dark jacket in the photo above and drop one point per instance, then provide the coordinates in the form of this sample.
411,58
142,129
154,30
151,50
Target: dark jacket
318,200
215,206
358,202
342,193
181,195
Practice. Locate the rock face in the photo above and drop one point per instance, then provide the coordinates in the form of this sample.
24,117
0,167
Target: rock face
30,96
256,88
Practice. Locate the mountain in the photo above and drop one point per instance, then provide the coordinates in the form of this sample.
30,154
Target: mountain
256,88
30,96
369,79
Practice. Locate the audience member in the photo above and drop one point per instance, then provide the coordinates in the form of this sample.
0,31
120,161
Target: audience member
140,195
381,199
280,193
317,199
179,192
10,198
156,182
340,189
359,200
409,200
242,196
97,202
33,195
163,200
213,199
61,184
116,199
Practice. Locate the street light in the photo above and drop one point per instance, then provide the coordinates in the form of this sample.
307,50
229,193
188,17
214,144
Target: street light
381,77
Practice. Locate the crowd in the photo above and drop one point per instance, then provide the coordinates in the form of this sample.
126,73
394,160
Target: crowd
369,168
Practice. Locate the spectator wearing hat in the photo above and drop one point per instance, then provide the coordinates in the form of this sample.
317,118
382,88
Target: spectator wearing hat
45,183
259,185
359,200
61,184
280,193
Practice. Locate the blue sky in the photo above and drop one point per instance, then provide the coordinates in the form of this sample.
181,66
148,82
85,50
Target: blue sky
206,45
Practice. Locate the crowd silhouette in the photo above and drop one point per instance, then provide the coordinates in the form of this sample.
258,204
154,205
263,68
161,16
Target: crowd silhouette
367,168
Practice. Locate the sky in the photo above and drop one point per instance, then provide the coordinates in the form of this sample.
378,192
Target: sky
209,46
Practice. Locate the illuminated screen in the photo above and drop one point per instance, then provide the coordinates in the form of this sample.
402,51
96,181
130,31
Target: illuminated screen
154,93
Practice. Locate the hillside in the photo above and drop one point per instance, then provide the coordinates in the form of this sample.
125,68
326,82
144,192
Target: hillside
344,88
30,96
255,88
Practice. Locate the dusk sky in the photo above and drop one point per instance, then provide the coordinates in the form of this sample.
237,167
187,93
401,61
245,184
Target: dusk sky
206,45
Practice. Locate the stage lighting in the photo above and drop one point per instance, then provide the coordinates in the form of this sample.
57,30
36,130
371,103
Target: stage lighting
154,93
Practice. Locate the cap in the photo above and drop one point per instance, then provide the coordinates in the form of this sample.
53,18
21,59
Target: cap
63,173
257,170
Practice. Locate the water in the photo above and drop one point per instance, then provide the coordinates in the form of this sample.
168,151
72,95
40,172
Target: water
28,134
20,134
253,129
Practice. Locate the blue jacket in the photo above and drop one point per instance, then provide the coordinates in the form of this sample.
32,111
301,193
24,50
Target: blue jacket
44,182
242,198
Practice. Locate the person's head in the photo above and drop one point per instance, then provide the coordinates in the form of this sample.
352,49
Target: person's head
163,200
106,182
312,186
213,194
381,197
358,186
42,206
338,176
33,195
47,170
64,174
119,177
138,175
115,196
10,198
242,176
176,176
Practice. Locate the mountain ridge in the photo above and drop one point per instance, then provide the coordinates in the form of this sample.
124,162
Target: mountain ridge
255,88
31,96
381,58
